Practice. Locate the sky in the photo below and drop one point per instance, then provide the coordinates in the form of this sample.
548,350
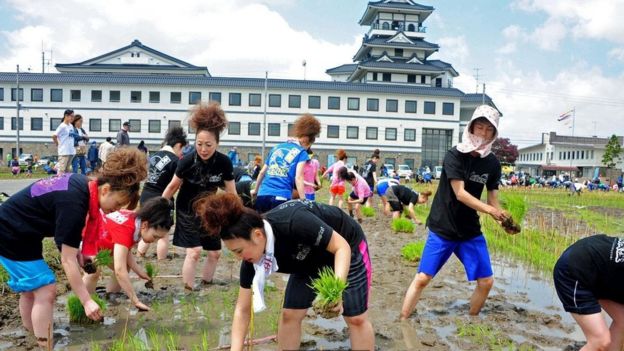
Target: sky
538,59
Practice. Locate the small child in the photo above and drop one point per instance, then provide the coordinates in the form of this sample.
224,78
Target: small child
15,167
311,179
360,194
29,168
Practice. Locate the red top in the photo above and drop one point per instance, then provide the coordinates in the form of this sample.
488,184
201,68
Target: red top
121,227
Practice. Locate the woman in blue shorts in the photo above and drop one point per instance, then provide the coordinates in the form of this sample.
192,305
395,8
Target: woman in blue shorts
588,279
299,238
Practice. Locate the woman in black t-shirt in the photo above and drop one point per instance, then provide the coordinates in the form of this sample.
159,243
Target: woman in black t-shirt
198,173
588,278
59,207
398,196
162,167
297,237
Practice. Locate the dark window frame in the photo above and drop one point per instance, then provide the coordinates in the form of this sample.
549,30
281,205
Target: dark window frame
390,103
194,97
110,95
94,97
154,97
333,131
331,102
445,108
427,108
389,130
357,102
136,96
372,129
39,97
409,103
234,130
405,134
73,97
175,97
40,124
251,100
151,126
357,132
312,102
275,100
254,124
92,128
370,107
235,99
271,128
294,101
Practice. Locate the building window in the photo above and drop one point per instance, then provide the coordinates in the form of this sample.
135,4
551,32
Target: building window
1,123
174,123
115,96
398,52
114,125
409,162
36,94
430,107
135,125
410,106
333,103
154,97
275,100
36,123
314,102
75,95
371,133
352,132
1,94
390,161
234,128
234,99
153,126
411,78
96,96
273,129
435,143
253,128
392,105
353,104
582,154
194,97
291,130
95,125
409,134
175,97
255,99
333,132
448,108
391,134
372,104
375,78
592,154
423,79
135,96
294,101
214,96
13,94
21,123
54,123
385,77
438,82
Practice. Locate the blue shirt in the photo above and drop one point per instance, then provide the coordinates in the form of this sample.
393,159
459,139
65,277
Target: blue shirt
281,169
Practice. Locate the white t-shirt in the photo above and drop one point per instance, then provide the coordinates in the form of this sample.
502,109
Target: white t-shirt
65,141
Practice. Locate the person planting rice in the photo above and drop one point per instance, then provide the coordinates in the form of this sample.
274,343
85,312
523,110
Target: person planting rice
121,231
588,279
360,194
57,207
398,196
453,221
200,172
298,237
337,187
284,166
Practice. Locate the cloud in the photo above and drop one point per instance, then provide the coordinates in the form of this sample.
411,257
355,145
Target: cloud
512,35
232,38
617,54
454,49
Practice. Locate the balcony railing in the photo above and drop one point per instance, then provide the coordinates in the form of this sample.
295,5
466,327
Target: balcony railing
398,27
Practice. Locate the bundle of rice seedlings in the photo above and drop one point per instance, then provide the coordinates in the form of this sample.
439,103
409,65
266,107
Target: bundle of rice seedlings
76,310
151,271
413,251
328,289
402,225
368,211
102,259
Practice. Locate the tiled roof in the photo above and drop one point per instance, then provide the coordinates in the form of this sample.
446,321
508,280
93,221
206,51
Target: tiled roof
402,64
476,98
346,68
222,82
374,6
400,5
418,43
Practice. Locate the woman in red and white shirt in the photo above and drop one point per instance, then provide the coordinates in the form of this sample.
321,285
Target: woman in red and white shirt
360,194
121,231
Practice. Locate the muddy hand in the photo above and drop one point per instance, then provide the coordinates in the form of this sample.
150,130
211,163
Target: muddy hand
497,214
141,306
338,308
92,310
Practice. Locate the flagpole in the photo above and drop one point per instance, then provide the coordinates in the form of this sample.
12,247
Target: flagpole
573,119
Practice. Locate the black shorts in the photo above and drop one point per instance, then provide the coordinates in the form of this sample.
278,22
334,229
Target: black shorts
398,206
189,233
299,294
355,197
575,297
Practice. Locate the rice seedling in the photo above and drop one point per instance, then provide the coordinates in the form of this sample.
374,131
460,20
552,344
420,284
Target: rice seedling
413,251
328,289
104,258
151,271
402,225
4,278
76,310
368,211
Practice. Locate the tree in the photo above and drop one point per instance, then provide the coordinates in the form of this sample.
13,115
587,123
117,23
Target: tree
612,152
505,151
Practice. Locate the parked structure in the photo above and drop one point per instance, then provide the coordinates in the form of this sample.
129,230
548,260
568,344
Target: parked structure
394,97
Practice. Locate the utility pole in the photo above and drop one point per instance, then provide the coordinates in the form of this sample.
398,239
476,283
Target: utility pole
483,96
266,83
304,63
17,119
477,79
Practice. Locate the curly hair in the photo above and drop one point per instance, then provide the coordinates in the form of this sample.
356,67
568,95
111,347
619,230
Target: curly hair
223,214
307,125
208,117
341,154
175,135
124,170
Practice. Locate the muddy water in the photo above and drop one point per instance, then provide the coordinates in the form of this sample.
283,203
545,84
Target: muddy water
522,310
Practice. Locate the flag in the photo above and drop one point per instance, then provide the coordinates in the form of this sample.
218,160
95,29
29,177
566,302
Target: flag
565,116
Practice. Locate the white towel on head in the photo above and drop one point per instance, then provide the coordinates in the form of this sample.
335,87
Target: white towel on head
265,267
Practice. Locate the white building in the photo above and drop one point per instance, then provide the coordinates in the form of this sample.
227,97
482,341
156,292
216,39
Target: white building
393,97
576,155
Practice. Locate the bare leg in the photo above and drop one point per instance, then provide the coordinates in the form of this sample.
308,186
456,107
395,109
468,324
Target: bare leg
413,294
190,264
331,200
289,331
361,332
142,248
26,301
480,294
162,247
210,265
340,202
42,313
616,312
595,329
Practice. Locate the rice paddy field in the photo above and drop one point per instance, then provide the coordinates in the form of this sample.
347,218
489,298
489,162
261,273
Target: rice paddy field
522,312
